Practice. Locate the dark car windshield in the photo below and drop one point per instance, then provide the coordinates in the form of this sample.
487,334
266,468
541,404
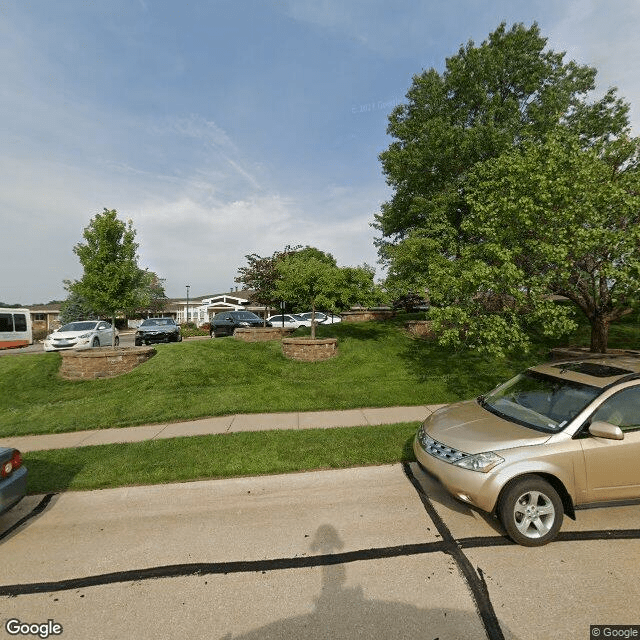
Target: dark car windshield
538,401
157,322
79,326
245,315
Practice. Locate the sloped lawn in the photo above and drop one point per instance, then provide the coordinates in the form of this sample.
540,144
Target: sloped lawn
378,365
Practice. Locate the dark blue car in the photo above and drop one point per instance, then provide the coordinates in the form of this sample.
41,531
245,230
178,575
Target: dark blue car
13,478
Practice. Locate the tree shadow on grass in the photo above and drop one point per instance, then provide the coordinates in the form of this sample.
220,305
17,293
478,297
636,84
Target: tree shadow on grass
355,331
465,374
48,475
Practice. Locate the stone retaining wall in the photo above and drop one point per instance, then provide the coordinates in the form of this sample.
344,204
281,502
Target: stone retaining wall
308,350
363,315
261,334
104,362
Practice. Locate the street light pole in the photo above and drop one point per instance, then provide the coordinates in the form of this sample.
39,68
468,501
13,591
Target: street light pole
187,318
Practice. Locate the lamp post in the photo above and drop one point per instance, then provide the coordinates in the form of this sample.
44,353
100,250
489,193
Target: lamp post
187,318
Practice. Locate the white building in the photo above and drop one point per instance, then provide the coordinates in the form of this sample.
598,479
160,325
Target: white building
201,310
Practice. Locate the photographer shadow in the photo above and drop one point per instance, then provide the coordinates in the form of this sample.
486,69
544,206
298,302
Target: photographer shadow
343,612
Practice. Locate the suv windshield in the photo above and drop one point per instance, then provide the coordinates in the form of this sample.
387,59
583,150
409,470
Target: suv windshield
540,402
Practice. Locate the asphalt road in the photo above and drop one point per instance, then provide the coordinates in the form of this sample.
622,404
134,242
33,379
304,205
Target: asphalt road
126,340
378,552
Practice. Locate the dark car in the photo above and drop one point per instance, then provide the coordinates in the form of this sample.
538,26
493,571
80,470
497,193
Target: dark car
158,330
13,478
226,322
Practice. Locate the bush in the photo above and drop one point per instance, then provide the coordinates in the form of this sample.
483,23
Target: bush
39,334
189,329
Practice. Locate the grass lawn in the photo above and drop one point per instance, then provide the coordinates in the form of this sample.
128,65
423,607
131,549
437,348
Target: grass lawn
219,456
378,365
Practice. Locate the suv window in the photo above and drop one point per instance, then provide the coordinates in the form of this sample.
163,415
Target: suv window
621,409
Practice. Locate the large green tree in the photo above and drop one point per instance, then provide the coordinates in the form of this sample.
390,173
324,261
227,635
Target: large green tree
260,276
112,282
548,218
152,298
507,92
311,279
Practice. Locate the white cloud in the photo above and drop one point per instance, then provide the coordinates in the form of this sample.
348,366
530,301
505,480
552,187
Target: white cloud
204,244
604,34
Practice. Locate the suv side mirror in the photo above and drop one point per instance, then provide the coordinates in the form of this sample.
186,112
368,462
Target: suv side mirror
606,430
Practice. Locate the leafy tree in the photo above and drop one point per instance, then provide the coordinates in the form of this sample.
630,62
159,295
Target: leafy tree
260,275
152,296
310,278
75,307
490,99
112,282
549,218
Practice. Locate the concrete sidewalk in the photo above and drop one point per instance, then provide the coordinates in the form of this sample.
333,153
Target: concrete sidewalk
223,424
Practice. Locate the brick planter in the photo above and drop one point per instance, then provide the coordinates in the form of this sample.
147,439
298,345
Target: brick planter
364,315
104,362
261,334
308,350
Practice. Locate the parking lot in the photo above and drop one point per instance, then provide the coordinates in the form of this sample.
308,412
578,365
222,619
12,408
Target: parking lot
378,552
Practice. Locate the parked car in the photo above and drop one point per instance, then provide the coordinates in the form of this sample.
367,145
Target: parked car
289,321
83,334
226,322
557,437
13,478
157,330
321,317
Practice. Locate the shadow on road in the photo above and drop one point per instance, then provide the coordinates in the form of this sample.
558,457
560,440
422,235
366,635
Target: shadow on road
27,511
343,612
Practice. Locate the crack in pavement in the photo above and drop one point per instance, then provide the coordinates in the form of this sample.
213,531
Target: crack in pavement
448,545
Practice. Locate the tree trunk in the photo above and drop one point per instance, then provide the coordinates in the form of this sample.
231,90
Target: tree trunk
599,334
313,322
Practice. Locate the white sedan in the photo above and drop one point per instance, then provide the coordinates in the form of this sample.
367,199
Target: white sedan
288,321
322,318
85,334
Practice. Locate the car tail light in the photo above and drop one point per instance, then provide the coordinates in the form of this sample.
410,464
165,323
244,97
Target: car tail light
11,465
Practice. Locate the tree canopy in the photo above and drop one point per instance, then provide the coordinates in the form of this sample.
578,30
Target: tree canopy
112,282
470,166
260,275
307,278
311,279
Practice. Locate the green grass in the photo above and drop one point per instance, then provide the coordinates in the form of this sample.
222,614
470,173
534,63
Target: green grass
378,365
219,456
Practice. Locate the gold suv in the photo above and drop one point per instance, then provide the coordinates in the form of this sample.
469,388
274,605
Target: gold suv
557,437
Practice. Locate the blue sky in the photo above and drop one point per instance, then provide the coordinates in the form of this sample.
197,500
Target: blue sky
230,127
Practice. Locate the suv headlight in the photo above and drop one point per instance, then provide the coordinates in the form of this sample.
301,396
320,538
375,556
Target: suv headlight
482,462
